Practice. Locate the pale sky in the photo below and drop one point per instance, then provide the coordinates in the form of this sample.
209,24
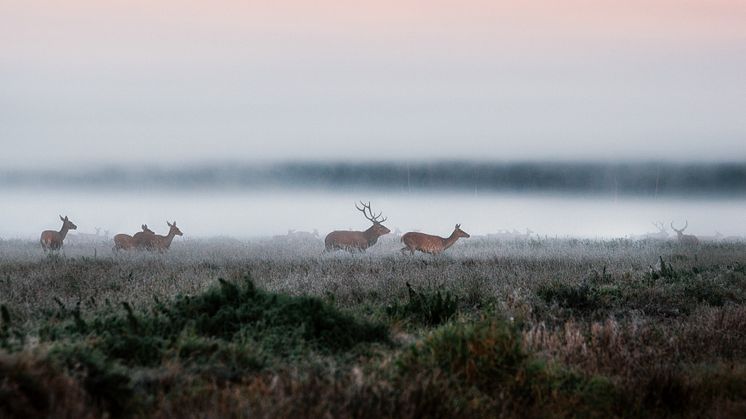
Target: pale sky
170,82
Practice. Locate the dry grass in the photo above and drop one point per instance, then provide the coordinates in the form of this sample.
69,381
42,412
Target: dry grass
602,328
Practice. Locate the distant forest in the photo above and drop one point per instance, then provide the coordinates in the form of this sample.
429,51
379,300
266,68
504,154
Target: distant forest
647,179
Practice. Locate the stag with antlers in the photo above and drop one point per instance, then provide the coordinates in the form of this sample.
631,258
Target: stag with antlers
358,240
688,239
427,243
52,240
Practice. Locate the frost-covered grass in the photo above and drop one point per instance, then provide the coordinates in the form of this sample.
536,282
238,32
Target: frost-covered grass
557,327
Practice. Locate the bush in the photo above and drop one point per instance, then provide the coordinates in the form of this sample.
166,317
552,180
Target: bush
105,381
481,369
581,298
428,308
31,387
273,325
11,338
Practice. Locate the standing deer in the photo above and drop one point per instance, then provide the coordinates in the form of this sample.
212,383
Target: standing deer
157,242
52,240
141,238
688,239
127,242
428,243
358,240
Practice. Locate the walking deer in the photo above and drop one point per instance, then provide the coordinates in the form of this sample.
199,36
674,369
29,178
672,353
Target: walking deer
127,242
688,239
428,243
52,240
158,242
358,240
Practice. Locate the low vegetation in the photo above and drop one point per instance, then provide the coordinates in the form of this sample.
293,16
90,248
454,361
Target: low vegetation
220,328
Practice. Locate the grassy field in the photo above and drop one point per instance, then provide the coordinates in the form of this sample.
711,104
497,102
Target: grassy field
268,328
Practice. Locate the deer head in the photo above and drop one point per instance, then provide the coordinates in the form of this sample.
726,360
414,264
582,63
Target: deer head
173,229
680,232
145,229
67,224
377,227
460,233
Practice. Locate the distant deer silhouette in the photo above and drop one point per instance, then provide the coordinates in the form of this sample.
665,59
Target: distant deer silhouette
52,240
428,243
357,240
688,239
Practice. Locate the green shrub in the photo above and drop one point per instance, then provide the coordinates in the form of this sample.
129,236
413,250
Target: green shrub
425,307
32,387
481,367
228,314
581,298
11,338
105,381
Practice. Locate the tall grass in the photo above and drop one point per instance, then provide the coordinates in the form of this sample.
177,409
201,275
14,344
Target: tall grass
514,329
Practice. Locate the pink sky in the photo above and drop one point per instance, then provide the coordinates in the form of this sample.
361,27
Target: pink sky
54,28
509,77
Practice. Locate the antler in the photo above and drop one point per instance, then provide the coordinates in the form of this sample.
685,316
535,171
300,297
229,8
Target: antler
372,218
682,229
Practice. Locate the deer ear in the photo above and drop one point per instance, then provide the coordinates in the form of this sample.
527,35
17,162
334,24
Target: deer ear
62,218
169,224
458,225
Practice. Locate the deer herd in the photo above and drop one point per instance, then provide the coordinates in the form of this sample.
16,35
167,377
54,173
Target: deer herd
351,241
147,239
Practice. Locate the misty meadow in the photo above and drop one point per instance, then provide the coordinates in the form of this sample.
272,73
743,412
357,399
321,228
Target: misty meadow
389,209
512,327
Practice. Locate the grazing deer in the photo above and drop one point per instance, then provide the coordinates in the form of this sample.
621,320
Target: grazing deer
87,237
127,242
428,243
52,240
689,239
358,240
157,242
662,234
300,236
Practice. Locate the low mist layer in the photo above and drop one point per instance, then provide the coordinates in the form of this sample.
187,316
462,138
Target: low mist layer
645,179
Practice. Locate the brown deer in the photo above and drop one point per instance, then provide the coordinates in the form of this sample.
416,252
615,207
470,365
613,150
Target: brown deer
52,240
428,243
127,242
142,237
358,240
688,239
158,242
